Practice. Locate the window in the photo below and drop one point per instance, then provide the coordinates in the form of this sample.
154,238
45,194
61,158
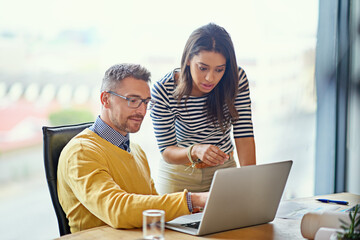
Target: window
54,54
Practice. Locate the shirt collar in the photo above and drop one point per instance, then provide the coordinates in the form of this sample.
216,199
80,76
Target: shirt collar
109,134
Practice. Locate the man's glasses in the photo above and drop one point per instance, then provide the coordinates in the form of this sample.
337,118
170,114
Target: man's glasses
135,102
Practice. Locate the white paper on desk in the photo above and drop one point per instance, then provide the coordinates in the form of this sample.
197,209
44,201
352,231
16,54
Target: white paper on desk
295,210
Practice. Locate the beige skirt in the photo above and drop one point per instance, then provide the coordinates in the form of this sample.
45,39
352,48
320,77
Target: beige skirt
175,178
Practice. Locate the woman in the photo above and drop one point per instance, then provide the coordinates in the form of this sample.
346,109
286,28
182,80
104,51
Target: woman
196,106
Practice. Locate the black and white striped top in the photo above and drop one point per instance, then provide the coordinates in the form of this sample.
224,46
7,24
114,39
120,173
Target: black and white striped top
183,125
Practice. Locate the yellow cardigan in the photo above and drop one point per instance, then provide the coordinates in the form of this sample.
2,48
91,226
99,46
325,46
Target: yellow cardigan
99,183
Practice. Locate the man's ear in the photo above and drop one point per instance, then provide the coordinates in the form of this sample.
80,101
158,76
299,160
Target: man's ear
105,99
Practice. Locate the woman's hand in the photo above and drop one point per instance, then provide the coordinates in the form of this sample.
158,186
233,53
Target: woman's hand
209,154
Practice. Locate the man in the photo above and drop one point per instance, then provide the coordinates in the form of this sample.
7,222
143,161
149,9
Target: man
104,180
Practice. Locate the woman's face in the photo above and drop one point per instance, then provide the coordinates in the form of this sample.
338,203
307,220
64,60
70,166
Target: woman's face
207,69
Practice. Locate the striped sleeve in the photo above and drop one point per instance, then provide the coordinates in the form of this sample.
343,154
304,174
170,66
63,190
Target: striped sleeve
162,116
243,127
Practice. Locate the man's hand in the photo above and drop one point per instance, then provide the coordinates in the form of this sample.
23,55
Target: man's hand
198,200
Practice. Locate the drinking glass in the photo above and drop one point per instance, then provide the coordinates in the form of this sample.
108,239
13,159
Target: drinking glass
153,224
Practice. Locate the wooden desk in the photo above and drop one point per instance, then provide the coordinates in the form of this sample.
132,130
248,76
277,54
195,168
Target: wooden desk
277,229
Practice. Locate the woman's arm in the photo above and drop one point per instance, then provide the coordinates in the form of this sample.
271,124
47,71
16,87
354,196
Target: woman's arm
245,148
209,154
243,128
175,155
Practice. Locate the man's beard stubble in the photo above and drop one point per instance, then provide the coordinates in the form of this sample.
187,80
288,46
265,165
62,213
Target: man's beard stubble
124,126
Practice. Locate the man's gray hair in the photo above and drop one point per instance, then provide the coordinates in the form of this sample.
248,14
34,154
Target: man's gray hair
118,72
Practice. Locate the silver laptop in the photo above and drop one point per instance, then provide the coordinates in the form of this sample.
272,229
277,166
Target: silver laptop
239,197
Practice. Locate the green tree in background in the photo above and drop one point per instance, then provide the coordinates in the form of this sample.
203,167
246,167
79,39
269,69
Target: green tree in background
70,116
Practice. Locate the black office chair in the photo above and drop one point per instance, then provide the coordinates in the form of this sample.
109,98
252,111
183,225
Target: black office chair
55,139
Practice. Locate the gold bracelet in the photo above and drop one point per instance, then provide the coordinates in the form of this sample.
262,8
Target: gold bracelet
189,155
193,163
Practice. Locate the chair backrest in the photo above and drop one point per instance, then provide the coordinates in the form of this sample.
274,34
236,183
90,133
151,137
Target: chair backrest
55,139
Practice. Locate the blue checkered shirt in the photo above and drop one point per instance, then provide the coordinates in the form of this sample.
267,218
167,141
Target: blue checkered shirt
109,134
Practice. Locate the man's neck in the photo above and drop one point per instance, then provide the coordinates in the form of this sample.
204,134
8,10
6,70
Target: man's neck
105,118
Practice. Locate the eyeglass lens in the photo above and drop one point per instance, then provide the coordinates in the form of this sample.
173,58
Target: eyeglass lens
135,102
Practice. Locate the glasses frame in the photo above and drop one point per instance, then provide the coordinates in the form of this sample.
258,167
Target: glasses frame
128,99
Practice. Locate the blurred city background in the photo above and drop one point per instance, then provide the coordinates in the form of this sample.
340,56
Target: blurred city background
53,55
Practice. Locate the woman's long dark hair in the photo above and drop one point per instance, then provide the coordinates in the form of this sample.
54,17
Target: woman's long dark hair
221,100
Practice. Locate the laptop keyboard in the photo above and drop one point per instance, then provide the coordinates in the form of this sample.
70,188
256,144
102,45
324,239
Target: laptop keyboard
192,225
